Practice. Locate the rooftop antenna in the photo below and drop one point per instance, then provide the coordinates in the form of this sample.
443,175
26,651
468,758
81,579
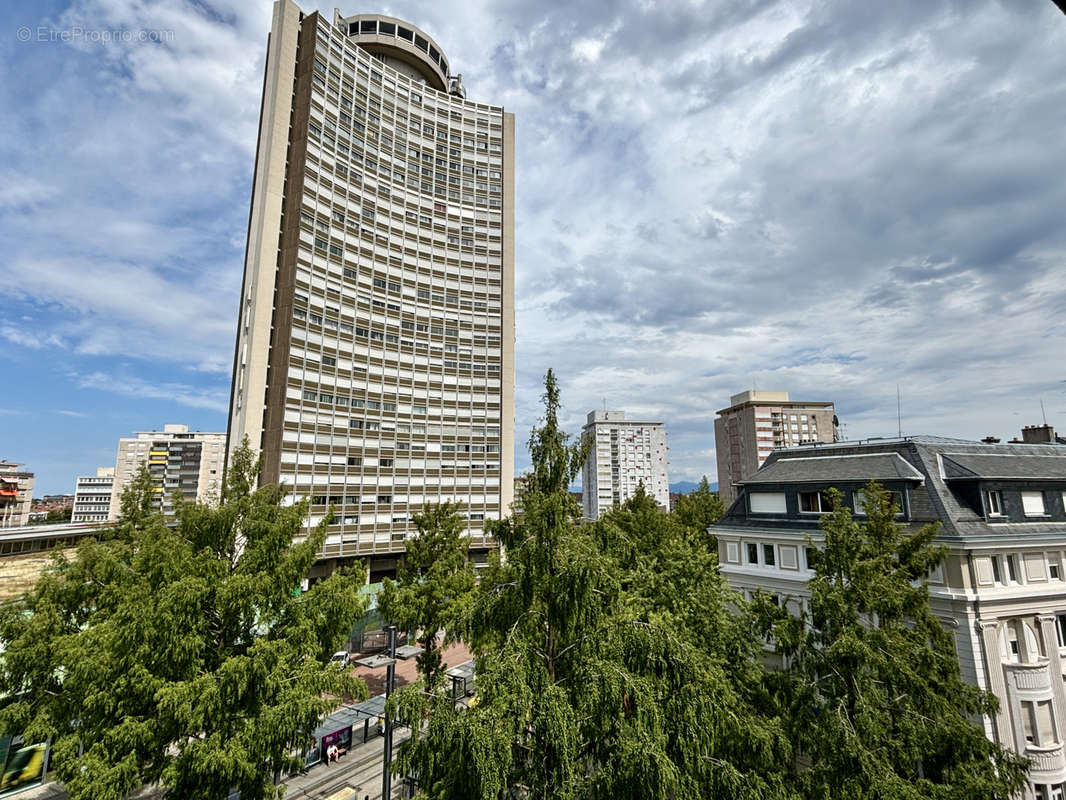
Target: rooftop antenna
1043,413
899,413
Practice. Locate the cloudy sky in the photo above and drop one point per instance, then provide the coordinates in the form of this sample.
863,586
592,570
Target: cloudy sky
827,198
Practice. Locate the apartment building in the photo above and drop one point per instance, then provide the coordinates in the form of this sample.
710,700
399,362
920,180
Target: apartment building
374,362
1002,589
179,460
16,494
756,423
92,496
624,454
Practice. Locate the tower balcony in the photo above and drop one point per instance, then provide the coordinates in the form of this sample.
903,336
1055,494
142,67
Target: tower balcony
1048,763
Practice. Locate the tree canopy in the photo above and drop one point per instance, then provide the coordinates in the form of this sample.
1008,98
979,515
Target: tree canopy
700,508
590,684
875,700
435,585
181,650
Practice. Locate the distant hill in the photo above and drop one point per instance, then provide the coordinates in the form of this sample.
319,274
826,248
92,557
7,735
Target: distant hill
684,487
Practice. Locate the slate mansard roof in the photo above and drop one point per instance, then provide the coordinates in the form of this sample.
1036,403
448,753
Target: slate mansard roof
1004,466
843,469
942,477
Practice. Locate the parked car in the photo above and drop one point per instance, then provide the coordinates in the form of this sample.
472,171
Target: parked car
342,657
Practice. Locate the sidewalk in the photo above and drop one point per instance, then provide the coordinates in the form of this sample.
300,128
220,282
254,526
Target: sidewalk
407,670
356,764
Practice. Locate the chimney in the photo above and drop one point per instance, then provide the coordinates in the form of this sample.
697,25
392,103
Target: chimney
991,440
1038,434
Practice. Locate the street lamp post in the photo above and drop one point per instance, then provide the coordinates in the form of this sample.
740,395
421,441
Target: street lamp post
390,675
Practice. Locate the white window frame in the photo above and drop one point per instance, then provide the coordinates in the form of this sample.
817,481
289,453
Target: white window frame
747,553
997,570
1010,561
822,502
767,503
770,549
1029,500
993,502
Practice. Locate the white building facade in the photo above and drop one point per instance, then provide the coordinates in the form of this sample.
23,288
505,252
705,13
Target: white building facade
374,364
179,460
1002,589
92,496
623,454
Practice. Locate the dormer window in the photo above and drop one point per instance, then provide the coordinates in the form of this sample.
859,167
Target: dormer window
993,502
814,502
1033,504
892,498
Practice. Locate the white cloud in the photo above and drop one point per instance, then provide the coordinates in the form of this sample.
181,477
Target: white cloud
827,198
21,336
183,394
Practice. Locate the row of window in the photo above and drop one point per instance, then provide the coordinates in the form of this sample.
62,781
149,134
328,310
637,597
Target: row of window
485,295
481,147
481,335
1006,570
358,155
313,360
342,90
411,236
340,180
767,555
1033,503
814,502
405,242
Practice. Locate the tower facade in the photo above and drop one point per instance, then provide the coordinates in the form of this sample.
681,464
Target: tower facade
758,422
374,363
179,460
623,455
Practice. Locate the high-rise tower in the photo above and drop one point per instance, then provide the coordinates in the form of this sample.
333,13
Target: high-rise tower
624,454
758,422
374,365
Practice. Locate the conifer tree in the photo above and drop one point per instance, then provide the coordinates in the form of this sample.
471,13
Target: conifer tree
877,704
181,651
435,586
700,508
582,692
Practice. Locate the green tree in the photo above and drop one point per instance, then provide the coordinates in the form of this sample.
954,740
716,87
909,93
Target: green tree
877,703
435,586
181,653
582,693
700,508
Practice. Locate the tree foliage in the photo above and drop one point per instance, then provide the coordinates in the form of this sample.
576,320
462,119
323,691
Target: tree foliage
435,585
701,508
181,651
594,679
875,697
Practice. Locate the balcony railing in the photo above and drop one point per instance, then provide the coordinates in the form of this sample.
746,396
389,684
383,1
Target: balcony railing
1046,759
